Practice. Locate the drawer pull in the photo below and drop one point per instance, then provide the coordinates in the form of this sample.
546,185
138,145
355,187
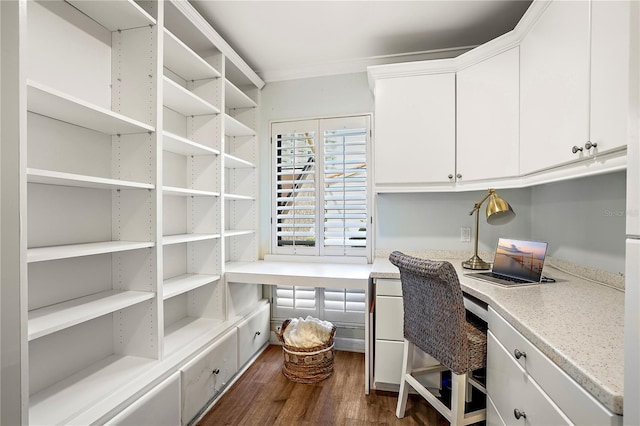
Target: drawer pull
257,334
216,371
517,414
519,354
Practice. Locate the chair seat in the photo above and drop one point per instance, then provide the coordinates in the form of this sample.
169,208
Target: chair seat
477,336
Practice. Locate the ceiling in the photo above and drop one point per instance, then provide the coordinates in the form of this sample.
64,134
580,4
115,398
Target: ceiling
283,40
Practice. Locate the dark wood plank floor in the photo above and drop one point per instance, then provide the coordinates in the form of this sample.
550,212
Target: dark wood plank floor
263,396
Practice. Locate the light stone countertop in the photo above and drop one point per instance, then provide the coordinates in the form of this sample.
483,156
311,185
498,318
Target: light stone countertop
575,322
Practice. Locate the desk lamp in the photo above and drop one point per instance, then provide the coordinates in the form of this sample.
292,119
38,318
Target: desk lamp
499,212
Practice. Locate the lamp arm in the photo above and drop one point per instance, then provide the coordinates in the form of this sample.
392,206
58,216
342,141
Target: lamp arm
476,206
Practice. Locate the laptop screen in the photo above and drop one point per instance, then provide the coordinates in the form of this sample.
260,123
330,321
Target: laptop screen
520,259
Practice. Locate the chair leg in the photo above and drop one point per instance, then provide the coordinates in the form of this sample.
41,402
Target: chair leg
407,364
458,397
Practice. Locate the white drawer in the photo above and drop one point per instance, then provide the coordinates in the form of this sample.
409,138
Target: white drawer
253,334
388,363
389,318
207,374
509,387
493,418
388,287
573,399
158,407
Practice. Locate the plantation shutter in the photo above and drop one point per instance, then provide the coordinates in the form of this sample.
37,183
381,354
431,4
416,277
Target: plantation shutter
295,301
296,186
344,305
344,142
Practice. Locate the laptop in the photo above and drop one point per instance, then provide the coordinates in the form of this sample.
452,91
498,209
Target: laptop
516,263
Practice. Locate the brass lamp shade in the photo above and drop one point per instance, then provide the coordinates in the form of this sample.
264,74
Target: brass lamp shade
499,212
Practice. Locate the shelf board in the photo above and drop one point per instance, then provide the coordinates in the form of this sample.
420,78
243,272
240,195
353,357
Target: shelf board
187,238
60,106
50,177
238,232
120,15
184,101
183,332
50,319
233,162
185,192
236,197
180,59
236,98
184,146
56,404
184,283
233,127
41,254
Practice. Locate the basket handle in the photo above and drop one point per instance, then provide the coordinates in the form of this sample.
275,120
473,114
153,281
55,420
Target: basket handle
280,334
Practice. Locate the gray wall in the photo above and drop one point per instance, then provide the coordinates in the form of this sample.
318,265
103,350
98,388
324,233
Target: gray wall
581,219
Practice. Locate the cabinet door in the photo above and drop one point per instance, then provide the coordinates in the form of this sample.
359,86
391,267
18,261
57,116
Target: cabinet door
207,374
253,333
554,77
160,406
509,387
389,318
415,129
487,118
610,94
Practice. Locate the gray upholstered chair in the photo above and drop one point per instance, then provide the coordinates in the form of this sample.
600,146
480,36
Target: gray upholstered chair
435,321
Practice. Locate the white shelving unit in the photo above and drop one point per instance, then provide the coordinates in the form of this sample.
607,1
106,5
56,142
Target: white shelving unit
131,120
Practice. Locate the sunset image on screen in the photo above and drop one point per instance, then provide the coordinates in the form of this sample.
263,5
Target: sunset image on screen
520,258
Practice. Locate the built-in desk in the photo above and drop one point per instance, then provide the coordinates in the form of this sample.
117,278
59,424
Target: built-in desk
576,323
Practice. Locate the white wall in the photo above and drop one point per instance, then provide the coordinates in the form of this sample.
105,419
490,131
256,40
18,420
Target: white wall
306,98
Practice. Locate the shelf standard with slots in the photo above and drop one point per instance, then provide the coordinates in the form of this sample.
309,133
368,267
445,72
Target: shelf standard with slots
60,106
72,395
236,98
50,177
186,192
233,127
184,283
237,197
180,59
120,15
233,162
57,317
185,102
41,254
187,238
183,146
238,232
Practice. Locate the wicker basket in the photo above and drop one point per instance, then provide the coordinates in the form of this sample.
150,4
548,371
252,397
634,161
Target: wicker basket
307,365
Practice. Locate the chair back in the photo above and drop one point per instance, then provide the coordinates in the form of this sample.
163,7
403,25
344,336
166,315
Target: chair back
434,312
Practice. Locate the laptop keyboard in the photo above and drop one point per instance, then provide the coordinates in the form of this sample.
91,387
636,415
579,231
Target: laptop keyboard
506,278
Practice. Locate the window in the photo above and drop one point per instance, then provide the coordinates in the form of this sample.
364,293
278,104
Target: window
321,208
320,187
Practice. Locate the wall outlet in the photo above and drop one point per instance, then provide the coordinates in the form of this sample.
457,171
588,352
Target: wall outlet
465,234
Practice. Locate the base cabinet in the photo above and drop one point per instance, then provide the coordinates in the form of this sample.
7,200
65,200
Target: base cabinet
253,334
159,407
205,376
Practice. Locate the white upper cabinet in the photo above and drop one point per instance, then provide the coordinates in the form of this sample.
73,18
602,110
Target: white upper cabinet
610,88
554,90
574,84
487,118
415,129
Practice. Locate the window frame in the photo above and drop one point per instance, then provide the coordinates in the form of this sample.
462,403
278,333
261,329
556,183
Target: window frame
319,250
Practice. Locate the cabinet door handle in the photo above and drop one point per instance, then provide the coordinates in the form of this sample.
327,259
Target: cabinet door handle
459,176
519,354
590,145
216,371
517,414
576,149
257,334
450,176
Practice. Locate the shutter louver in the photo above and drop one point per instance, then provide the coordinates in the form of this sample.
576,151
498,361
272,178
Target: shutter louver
296,189
296,297
344,300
